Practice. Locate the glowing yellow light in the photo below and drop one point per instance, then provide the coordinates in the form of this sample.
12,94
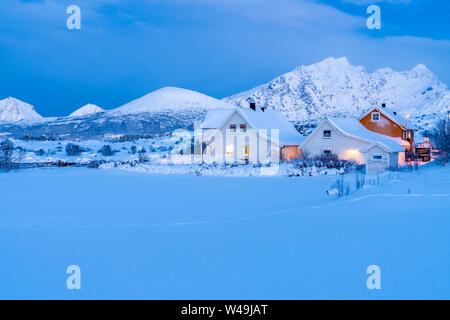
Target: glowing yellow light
352,152
246,151
407,116
230,150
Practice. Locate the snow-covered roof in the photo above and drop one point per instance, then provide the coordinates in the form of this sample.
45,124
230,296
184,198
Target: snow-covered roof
216,118
353,128
394,116
257,119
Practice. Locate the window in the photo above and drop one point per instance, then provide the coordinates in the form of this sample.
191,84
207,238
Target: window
327,134
230,151
326,152
377,158
375,116
246,151
243,128
233,127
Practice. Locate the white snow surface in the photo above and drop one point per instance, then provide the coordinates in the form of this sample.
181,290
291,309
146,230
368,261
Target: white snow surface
140,236
86,110
335,87
171,99
14,110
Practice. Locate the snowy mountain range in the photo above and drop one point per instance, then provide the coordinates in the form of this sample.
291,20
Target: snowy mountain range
335,87
332,87
157,113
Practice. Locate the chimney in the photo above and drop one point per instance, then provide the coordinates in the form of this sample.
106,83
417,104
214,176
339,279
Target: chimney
395,113
383,105
263,109
253,106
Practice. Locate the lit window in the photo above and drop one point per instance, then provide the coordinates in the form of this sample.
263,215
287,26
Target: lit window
233,127
375,116
246,151
377,158
230,151
243,128
327,133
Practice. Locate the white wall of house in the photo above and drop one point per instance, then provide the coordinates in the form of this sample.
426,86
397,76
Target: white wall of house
378,160
239,145
345,147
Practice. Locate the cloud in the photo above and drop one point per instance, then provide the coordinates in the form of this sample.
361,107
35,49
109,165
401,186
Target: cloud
368,2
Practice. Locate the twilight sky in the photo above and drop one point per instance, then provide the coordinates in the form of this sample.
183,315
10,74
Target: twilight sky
128,48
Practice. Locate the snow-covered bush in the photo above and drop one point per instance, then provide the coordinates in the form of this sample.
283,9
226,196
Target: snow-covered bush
95,164
74,150
327,161
107,151
39,152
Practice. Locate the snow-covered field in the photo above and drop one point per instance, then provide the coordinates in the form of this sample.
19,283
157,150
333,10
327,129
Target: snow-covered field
54,151
149,236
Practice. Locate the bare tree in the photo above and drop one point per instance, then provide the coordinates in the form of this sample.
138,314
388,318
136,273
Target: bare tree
441,138
10,156
142,156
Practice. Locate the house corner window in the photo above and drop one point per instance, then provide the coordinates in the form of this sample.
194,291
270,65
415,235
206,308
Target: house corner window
375,116
232,127
243,128
377,158
327,134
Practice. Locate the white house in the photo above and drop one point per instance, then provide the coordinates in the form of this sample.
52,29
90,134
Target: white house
255,135
350,140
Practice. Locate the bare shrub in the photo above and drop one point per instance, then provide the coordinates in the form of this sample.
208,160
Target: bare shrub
360,180
340,188
441,139
142,156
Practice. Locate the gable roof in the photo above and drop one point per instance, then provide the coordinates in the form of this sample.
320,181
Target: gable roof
353,128
373,145
393,116
257,119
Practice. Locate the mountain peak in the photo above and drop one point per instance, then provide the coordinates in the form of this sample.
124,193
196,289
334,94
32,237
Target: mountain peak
332,60
14,110
171,98
86,110
421,68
